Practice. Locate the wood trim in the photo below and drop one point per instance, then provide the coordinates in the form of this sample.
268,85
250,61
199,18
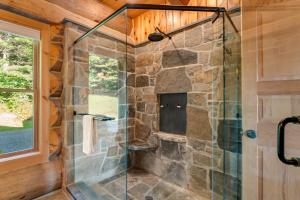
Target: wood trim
260,163
250,163
284,87
41,155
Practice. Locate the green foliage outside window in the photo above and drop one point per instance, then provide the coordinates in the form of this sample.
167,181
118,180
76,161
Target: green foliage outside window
16,72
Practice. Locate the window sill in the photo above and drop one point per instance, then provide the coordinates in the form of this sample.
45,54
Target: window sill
22,161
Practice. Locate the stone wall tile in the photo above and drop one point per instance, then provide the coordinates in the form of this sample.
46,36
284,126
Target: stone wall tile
177,41
140,106
197,181
142,131
198,125
144,59
131,80
230,190
204,58
201,159
181,57
197,99
142,81
105,42
176,174
193,37
171,150
173,81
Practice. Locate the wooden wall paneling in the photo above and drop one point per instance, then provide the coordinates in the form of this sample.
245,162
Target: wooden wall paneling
31,182
193,16
201,15
162,20
212,3
222,3
176,19
233,3
184,18
169,20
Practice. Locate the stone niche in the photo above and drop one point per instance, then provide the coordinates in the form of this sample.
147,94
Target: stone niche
172,113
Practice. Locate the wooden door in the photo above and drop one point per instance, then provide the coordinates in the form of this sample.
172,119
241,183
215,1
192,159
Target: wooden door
271,92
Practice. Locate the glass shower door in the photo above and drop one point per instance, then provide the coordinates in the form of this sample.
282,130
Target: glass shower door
227,144
98,112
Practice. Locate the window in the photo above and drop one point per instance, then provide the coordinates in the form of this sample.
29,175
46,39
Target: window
103,84
19,67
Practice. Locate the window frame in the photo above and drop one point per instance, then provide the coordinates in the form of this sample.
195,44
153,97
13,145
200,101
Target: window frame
39,153
35,92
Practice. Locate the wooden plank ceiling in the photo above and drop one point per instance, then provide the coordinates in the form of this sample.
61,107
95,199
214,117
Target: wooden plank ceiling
145,21
115,4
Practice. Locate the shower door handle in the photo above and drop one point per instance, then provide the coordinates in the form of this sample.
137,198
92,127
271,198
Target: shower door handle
280,141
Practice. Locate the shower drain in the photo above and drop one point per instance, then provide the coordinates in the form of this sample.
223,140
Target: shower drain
148,198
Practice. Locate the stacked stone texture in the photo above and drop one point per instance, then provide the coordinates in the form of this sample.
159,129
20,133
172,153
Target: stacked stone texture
192,63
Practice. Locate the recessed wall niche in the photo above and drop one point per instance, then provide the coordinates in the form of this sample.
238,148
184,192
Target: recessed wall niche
172,111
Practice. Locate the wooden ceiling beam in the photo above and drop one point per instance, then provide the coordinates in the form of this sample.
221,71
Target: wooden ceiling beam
55,14
96,11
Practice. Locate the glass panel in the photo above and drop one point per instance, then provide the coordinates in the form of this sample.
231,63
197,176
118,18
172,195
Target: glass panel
226,177
163,165
16,61
16,122
100,107
103,85
191,63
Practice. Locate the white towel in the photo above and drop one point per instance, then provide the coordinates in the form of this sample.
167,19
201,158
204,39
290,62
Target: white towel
89,134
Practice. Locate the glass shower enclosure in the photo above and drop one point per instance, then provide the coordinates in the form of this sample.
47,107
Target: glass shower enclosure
115,97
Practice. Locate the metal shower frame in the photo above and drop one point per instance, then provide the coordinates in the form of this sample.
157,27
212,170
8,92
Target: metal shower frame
217,10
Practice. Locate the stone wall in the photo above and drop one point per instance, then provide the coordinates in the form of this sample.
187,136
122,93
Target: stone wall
192,63
109,158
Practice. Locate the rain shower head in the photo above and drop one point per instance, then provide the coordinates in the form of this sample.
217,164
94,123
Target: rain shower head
158,35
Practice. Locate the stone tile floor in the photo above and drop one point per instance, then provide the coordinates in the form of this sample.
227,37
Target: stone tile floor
143,186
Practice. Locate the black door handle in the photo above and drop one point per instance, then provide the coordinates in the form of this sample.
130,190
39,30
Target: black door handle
280,141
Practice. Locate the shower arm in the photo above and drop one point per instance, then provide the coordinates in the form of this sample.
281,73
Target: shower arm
215,18
166,35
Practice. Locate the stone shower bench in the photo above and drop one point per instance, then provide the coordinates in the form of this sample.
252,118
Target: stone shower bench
170,137
137,145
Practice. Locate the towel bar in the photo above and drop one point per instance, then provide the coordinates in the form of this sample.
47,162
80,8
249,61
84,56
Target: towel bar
96,117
